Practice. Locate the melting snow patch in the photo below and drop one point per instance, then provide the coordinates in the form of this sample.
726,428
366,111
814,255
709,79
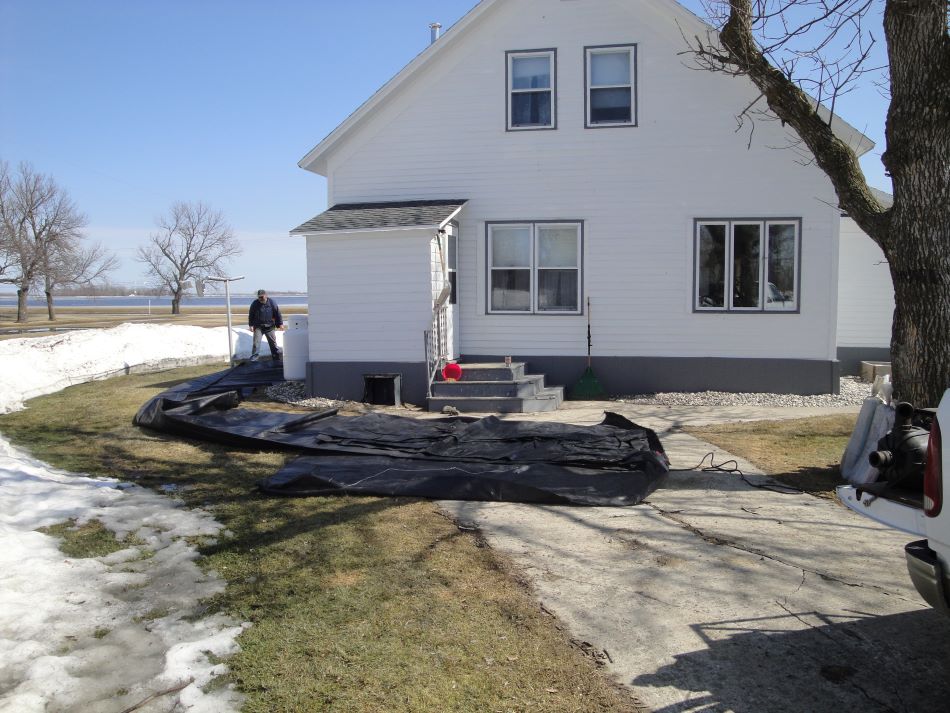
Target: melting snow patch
93,633
102,634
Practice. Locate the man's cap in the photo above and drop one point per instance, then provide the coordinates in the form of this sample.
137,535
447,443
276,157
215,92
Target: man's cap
261,292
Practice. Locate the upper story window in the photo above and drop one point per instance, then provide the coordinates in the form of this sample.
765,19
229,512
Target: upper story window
532,77
747,265
611,85
534,267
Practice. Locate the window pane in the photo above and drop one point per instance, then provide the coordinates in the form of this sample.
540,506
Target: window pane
557,290
531,72
746,265
511,290
780,291
610,106
511,246
557,246
609,68
453,252
710,282
531,109
453,283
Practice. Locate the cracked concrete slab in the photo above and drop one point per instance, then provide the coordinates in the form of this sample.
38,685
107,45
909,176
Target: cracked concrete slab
717,595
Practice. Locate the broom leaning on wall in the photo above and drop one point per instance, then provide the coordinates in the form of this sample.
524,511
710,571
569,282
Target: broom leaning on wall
587,387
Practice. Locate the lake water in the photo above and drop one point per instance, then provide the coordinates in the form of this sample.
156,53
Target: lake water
292,300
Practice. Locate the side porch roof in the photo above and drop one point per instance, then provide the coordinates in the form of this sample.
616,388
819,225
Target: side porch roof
391,215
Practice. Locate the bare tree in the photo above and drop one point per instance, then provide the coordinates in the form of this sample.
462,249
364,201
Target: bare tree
193,241
37,219
74,265
798,51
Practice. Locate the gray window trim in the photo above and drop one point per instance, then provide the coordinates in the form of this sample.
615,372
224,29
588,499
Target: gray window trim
532,312
764,257
517,129
634,86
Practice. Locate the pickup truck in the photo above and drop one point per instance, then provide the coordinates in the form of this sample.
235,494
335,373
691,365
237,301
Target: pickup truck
919,512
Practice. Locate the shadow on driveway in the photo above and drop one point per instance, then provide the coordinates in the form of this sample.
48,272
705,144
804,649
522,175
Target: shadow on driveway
838,663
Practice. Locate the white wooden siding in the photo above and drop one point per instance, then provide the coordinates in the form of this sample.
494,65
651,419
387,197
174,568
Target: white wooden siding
865,291
637,189
370,295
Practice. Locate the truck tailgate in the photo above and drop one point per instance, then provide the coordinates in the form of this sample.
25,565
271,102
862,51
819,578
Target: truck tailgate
887,512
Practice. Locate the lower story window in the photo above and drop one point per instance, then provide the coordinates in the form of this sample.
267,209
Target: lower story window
747,265
453,267
534,267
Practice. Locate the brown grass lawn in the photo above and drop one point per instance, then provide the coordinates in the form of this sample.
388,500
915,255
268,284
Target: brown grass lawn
357,603
804,453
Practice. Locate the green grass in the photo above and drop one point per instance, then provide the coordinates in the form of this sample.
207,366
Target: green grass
804,453
91,539
357,604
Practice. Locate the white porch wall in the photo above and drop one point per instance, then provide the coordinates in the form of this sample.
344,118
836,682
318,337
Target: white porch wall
637,190
369,295
438,256
865,291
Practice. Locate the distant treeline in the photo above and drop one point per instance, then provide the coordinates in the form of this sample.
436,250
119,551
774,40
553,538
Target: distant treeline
110,290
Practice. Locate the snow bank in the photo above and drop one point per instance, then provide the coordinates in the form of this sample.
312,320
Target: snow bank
102,634
42,365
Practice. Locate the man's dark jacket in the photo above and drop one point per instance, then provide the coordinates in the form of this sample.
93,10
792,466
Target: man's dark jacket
265,315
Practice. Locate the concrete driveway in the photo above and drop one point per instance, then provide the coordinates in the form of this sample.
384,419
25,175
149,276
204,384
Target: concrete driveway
720,596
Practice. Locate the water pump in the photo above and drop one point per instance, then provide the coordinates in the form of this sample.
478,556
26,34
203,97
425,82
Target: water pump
902,453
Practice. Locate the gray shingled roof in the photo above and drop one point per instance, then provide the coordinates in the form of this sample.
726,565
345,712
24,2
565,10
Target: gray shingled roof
398,214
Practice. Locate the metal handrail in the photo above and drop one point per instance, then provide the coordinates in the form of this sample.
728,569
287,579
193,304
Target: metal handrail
436,339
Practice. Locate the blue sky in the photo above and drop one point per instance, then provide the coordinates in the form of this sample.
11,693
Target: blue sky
132,105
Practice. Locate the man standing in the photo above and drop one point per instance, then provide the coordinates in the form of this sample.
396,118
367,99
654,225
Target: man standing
263,318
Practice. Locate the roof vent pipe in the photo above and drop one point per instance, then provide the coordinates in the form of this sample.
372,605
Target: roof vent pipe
435,28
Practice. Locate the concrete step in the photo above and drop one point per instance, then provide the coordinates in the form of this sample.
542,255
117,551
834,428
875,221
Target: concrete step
492,371
525,386
547,399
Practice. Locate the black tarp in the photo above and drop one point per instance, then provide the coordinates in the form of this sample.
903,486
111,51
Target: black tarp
615,462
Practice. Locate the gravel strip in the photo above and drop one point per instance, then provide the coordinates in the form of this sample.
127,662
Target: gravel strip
853,393
295,393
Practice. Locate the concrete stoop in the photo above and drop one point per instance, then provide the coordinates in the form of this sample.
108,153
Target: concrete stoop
496,388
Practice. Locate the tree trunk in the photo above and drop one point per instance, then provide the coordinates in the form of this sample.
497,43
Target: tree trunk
917,246
176,302
22,313
50,309
920,340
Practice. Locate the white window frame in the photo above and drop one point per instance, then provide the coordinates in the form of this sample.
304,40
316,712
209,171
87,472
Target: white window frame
796,265
535,268
730,265
631,51
728,273
510,57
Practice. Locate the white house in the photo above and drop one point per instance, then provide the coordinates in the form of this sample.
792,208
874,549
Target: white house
543,153
865,297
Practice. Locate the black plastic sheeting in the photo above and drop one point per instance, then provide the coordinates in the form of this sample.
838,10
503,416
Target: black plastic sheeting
615,462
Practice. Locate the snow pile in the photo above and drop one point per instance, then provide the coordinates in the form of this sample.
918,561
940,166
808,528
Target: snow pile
43,365
103,633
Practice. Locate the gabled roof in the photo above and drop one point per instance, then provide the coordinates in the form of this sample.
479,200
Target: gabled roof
391,215
312,161
315,160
